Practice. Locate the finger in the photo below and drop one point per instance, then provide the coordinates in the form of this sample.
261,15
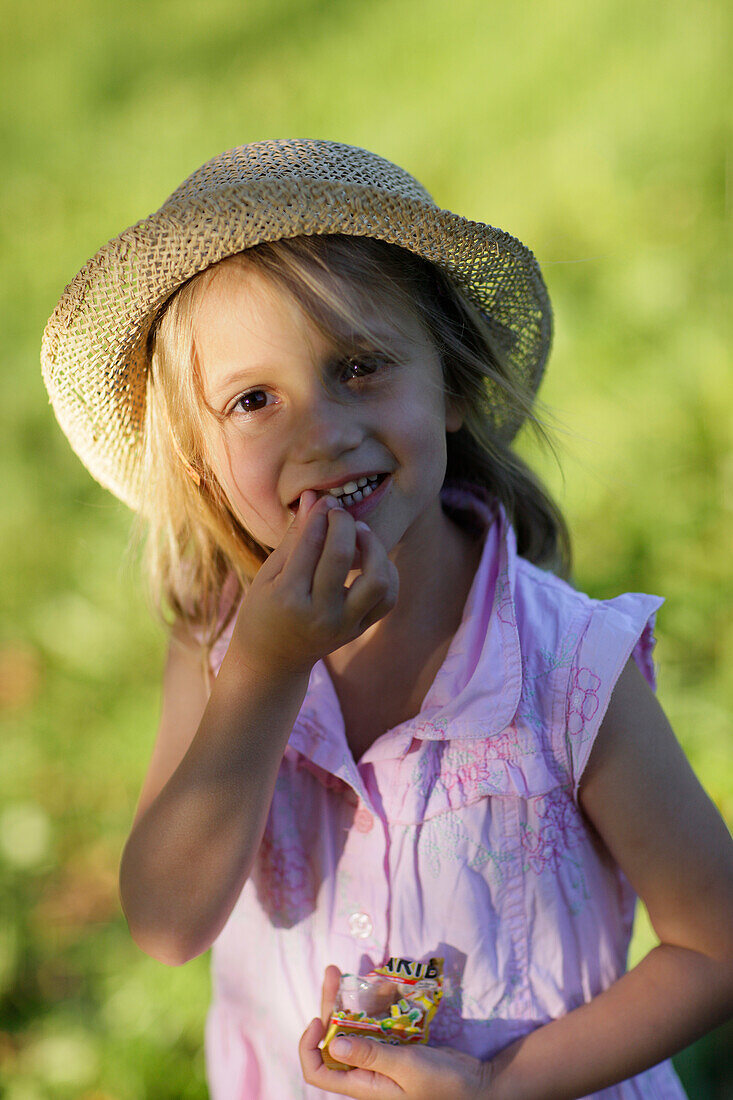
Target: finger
278,557
300,549
375,590
378,1068
306,502
310,502
361,1053
336,558
331,980
376,613
357,1083
311,1061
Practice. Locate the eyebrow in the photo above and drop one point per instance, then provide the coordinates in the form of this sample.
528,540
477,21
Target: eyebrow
237,379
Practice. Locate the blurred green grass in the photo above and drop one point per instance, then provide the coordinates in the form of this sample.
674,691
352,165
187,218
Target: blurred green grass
597,133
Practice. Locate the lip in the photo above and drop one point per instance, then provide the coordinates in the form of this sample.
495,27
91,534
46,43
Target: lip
364,507
344,480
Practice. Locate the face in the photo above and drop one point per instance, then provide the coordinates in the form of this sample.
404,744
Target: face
296,413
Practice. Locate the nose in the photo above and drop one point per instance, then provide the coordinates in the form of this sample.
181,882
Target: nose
326,428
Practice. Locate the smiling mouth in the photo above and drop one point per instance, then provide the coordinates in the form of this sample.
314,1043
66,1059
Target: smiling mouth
351,492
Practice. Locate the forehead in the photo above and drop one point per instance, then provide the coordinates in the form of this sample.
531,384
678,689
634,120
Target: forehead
344,312
244,324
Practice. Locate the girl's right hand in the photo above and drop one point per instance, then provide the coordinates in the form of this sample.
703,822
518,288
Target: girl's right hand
297,609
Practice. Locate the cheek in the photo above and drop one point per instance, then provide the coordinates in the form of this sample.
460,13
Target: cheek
227,467
248,481
425,428
423,454
242,463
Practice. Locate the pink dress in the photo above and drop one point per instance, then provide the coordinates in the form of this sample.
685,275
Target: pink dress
458,833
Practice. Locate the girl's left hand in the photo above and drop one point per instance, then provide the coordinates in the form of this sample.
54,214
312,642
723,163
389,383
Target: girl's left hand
384,1072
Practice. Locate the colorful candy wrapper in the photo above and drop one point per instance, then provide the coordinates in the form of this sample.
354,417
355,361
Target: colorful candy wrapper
393,1004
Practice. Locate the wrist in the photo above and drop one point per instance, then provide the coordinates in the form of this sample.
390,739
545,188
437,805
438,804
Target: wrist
258,666
253,700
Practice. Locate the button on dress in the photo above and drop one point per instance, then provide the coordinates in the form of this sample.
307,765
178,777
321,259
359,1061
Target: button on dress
458,833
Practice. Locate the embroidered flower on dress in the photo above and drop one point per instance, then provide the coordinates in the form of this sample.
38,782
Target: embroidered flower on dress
466,773
505,746
285,874
583,699
559,828
284,881
465,769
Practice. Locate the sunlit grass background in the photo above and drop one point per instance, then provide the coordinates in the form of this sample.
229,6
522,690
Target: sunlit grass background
595,132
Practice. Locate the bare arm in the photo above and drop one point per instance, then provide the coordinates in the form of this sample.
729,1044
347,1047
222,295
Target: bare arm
205,801
192,848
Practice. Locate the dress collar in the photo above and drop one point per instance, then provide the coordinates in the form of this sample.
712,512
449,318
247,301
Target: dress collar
476,691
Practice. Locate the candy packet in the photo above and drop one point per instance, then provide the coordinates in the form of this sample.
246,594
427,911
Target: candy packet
393,1004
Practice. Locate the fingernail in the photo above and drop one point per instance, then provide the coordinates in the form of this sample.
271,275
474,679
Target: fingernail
361,526
340,1047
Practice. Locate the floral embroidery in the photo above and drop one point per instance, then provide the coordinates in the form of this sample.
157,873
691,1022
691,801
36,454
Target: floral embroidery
284,874
435,729
425,767
445,837
559,829
505,746
351,891
535,672
583,699
548,847
284,880
466,773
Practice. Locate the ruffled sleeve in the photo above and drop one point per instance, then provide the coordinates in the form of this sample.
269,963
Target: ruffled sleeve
615,630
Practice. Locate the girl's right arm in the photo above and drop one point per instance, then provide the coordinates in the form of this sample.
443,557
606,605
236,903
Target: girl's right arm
205,800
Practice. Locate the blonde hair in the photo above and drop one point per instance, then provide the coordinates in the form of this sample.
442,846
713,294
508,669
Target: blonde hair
195,544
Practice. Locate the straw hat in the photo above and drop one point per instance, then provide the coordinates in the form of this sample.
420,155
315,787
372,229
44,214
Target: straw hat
94,355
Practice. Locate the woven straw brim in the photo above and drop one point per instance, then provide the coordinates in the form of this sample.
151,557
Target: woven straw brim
94,352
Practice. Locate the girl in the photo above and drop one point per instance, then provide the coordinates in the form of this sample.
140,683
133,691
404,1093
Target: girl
390,726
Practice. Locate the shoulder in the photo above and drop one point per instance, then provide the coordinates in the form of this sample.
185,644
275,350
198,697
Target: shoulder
579,647
541,596
551,613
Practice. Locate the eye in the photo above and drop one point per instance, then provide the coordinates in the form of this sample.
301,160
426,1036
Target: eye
362,366
252,401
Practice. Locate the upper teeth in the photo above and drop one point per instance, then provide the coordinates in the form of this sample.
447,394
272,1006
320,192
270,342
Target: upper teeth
352,486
